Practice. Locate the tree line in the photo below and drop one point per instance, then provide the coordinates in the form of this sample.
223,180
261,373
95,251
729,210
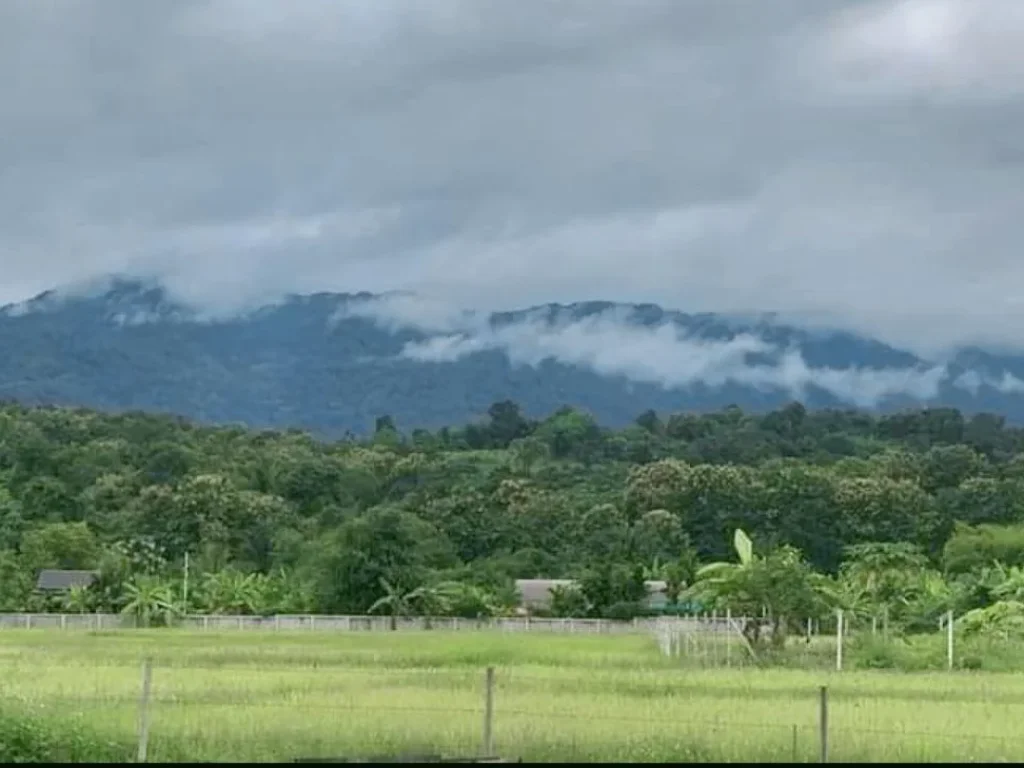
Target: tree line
914,512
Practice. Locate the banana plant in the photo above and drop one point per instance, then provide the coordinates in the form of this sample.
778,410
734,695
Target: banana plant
773,590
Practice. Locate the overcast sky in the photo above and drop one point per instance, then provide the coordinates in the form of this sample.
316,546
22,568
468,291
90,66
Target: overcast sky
864,159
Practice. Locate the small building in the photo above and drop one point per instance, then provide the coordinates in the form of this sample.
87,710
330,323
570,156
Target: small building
535,594
54,580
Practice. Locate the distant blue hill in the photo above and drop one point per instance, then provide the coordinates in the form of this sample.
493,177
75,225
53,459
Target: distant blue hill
323,363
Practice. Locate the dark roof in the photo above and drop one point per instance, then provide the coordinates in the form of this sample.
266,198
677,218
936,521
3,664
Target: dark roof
52,579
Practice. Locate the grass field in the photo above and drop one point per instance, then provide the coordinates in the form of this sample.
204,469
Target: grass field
268,696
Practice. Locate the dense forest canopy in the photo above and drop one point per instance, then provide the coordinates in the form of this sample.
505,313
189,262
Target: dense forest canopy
279,521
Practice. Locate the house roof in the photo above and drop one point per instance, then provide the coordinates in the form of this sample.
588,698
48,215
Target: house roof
53,579
539,590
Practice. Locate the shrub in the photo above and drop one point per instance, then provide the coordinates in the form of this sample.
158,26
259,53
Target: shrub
53,739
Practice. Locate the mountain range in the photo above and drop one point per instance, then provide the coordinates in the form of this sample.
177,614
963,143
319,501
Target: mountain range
332,363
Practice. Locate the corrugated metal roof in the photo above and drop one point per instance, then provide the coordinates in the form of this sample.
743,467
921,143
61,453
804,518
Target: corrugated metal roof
53,579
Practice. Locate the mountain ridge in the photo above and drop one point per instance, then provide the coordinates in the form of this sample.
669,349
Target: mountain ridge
333,362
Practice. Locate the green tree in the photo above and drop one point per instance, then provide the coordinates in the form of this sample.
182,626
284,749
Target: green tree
69,546
877,577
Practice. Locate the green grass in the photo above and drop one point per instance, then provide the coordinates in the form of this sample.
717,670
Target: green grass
267,696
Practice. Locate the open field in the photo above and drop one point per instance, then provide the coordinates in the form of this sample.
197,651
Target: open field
278,696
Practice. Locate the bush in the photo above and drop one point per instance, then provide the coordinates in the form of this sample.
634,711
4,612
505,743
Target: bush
970,661
625,611
54,739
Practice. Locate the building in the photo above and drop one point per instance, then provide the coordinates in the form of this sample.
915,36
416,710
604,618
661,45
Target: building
535,594
53,580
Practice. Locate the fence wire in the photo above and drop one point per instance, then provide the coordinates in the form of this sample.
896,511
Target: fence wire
360,720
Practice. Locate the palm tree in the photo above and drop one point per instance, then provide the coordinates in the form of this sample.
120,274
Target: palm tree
395,600
235,593
79,599
469,600
148,598
286,592
504,600
433,600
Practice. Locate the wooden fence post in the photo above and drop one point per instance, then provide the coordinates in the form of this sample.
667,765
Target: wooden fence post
147,685
489,713
823,723
839,640
728,637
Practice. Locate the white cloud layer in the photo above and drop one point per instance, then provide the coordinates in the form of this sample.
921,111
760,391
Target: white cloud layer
858,162
610,344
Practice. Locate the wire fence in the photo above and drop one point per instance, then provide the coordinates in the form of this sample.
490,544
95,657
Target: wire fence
161,713
315,622
705,640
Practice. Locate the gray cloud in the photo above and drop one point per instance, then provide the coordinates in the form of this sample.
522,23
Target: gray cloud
847,163
608,343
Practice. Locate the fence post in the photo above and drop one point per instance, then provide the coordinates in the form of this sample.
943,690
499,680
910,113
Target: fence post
949,640
489,712
63,621
823,723
714,639
728,637
147,684
839,640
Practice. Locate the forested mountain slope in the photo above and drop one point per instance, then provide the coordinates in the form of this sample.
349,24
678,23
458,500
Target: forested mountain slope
332,363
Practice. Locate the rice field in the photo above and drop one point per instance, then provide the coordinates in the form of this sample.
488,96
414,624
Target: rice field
281,696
